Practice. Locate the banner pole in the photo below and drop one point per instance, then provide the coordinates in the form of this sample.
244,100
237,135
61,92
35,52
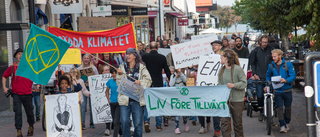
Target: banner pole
104,62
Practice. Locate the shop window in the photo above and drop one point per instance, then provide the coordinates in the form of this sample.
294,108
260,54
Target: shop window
141,25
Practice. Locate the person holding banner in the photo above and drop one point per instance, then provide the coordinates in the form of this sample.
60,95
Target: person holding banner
86,69
232,75
135,68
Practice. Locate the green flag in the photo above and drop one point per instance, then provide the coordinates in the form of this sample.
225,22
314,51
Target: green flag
42,54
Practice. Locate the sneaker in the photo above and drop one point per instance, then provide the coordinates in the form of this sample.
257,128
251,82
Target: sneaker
177,131
92,126
283,129
37,118
19,133
216,133
186,127
172,118
107,132
194,122
159,128
201,131
287,127
132,130
208,126
146,127
30,131
260,117
166,123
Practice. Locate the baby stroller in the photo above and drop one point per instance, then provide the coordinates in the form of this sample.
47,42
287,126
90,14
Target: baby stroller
252,102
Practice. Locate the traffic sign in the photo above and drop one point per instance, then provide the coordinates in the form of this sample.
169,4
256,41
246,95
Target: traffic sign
316,79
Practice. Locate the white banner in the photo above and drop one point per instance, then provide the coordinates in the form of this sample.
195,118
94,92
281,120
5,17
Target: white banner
209,67
164,51
196,37
188,101
130,89
65,6
187,54
101,112
63,115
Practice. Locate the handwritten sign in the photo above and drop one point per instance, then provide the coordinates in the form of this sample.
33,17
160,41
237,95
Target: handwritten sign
187,54
101,112
97,23
130,89
196,37
72,56
85,73
164,51
188,101
190,82
209,67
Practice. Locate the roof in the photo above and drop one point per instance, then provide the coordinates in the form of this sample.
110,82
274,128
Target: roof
203,3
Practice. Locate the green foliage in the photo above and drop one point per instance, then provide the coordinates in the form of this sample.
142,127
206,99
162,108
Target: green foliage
284,15
226,16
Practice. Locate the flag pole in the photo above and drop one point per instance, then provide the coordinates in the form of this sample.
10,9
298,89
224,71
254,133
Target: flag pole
104,62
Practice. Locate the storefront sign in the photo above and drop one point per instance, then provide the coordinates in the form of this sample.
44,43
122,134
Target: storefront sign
65,6
139,11
183,22
115,40
102,11
120,10
187,101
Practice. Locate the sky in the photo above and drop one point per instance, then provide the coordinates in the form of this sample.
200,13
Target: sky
225,2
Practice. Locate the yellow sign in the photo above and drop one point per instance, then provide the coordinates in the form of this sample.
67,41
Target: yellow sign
190,82
72,56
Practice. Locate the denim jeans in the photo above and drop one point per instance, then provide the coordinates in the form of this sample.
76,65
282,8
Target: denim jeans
137,117
36,104
285,99
26,101
146,119
177,120
259,92
83,111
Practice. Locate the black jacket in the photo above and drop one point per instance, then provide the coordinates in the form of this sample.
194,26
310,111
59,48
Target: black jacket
155,62
259,61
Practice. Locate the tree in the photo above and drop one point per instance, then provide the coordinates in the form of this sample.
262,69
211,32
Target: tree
226,16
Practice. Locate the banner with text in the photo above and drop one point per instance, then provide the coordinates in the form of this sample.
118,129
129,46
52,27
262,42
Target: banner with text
187,54
101,111
115,40
188,101
209,67
130,89
196,37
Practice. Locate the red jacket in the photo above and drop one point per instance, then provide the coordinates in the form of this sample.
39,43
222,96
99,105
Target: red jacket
20,85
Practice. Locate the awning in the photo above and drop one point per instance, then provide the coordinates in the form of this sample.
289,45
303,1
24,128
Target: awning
177,14
152,14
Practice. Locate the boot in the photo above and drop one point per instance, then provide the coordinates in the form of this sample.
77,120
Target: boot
30,131
19,133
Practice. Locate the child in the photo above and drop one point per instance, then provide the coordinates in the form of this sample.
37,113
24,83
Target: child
178,79
64,84
75,86
113,101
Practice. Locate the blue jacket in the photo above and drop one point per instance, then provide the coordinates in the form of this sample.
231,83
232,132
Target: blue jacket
289,77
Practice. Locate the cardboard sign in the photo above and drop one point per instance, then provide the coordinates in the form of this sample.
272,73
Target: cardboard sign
101,112
72,56
129,89
85,73
209,67
188,53
97,23
188,101
63,115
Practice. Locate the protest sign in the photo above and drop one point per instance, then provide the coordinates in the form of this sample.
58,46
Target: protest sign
188,101
85,73
115,40
196,37
190,82
72,56
187,54
101,112
63,112
164,51
209,67
130,89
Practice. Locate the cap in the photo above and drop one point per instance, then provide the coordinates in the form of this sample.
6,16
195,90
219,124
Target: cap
176,39
17,51
216,41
